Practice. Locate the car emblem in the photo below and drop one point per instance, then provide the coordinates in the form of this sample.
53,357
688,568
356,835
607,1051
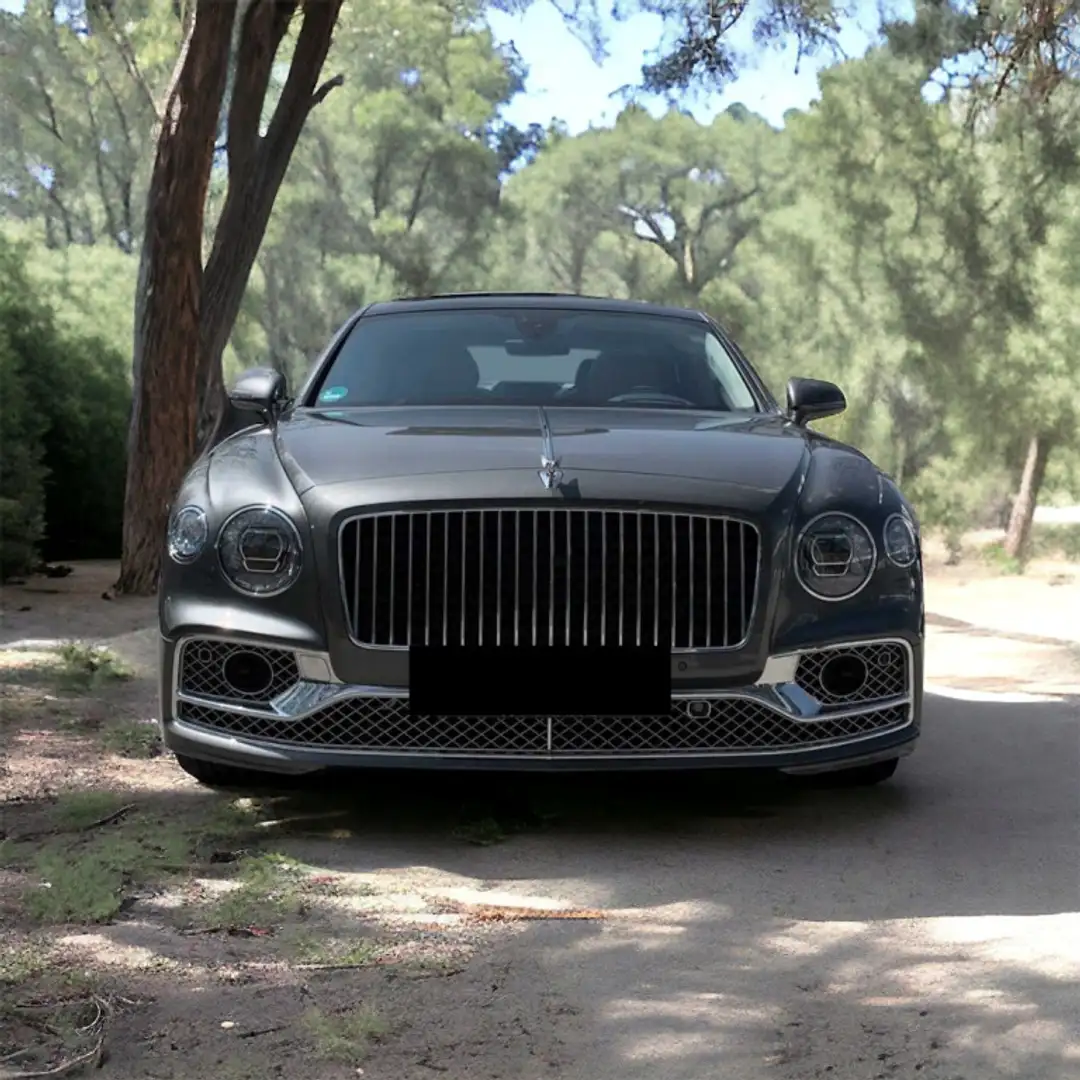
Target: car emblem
550,474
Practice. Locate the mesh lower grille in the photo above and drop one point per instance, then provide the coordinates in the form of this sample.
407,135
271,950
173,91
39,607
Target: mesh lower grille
886,673
202,670
383,724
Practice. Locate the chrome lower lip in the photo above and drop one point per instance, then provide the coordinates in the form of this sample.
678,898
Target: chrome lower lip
306,698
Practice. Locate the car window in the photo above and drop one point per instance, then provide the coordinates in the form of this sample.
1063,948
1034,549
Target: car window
530,356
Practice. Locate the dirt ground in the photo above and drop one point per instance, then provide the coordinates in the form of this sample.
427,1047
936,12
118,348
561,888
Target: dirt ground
470,928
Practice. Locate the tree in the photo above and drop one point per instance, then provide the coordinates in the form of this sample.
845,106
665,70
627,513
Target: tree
185,311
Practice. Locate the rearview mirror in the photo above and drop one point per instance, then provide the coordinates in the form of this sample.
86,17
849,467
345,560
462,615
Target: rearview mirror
547,346
813,399
260,390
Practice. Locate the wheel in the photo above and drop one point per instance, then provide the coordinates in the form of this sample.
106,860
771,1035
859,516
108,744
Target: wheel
214,775
866,775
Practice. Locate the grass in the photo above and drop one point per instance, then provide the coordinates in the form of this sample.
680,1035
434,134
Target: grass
1060,541
83,667
993,554
347,1036
337,953
132,739
19,965
82,874
81,809
484,832
268,889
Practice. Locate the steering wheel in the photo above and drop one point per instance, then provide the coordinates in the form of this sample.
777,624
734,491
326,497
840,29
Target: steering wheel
647,393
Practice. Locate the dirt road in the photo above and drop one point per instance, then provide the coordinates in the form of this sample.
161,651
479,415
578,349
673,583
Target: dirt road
719,928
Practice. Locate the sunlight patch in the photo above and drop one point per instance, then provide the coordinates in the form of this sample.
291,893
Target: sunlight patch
1000,697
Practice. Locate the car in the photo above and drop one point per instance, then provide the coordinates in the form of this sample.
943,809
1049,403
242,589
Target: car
537,532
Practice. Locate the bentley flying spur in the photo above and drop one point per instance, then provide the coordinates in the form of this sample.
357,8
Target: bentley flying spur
537,532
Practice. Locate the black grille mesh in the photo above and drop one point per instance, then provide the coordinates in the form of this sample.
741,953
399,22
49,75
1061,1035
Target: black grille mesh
886,673
384,724
202,667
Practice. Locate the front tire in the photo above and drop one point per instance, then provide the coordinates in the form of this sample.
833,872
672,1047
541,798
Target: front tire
230,777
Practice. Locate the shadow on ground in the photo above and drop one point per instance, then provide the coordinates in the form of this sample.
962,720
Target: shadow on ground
756,928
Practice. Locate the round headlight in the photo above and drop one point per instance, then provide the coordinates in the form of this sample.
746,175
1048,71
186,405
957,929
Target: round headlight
901,547
834,556
259,551
187,534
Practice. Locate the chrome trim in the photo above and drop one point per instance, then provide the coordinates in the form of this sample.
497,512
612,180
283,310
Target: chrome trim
747,611
306,698
549,472
496,755
786,699
798,544
779,669
914,542
290,526
173,519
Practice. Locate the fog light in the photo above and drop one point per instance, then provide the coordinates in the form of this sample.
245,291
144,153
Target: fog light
844,675
247,673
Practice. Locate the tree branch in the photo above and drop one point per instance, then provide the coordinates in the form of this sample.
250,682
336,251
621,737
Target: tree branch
263,25
321,94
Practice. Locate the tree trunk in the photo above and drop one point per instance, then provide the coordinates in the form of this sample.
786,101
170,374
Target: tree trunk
1023,511
257,166
184,315
161,437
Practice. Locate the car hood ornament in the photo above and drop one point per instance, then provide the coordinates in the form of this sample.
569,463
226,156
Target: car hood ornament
549,472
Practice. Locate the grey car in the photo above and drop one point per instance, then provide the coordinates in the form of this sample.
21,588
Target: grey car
537,532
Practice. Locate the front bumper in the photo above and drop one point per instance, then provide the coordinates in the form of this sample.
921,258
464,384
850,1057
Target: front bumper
306,720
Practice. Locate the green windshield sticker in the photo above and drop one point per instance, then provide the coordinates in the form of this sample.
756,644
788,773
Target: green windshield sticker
334,393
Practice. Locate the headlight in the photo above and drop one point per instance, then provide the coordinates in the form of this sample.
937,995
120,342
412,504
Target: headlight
259,551
901,547
187,534
834,556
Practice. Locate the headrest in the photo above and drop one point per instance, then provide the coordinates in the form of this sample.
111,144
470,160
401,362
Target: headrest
611,374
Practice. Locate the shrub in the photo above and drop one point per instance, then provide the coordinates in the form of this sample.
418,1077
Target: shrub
24,344
64,402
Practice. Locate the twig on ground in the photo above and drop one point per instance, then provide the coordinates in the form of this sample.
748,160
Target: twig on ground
108,819
91,1055
261,1031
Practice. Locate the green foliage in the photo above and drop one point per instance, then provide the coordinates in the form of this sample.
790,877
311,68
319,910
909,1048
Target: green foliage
925,263
63,435
25,342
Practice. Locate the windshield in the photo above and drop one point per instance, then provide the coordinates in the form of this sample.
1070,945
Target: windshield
527,356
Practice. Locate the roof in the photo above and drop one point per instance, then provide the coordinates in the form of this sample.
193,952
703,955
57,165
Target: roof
565,301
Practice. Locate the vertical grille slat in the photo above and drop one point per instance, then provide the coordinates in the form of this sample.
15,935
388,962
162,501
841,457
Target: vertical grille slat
551,576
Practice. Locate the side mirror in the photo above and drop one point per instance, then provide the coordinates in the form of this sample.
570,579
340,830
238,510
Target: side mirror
261,390
813,399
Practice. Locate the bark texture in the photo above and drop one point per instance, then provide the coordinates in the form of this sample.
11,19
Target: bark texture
185,312
1023,511
257,166
161,439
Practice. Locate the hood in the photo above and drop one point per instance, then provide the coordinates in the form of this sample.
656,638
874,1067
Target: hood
317,447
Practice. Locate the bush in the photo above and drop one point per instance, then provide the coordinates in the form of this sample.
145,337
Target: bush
64,403
24,344
86,397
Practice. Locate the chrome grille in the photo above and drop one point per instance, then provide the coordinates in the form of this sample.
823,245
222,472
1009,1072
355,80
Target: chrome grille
376,724
548,576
